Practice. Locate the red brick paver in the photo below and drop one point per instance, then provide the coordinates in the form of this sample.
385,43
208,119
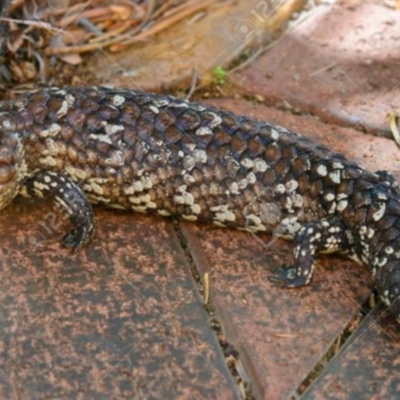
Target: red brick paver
120,320
367,367
341,63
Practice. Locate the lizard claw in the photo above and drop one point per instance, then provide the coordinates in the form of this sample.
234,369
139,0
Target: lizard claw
287,276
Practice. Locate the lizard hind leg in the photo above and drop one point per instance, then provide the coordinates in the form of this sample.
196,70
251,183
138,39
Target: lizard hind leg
324,236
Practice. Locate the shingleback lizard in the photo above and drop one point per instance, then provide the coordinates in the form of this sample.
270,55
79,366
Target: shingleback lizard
161,155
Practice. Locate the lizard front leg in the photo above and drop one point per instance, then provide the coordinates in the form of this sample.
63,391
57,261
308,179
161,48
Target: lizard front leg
69,198
324,236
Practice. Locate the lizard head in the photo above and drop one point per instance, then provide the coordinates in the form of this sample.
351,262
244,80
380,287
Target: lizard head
11,160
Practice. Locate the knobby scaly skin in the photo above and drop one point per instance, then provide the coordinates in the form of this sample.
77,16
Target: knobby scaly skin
170,157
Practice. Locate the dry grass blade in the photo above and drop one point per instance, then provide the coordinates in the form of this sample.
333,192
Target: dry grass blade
35,24
206,288
393,119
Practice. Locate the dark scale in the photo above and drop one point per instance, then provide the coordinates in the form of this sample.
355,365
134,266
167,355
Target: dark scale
170,157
